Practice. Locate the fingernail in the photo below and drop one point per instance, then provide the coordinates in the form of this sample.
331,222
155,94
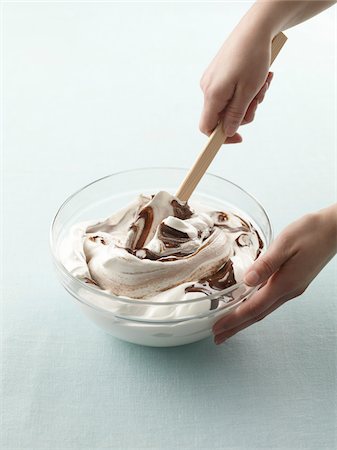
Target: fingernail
252,278
219,341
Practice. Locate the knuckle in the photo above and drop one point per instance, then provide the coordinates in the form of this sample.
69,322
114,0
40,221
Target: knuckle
266,265
261,317
202,83
247,90
291,285
205,81
234,113
299,291
212,92
250,310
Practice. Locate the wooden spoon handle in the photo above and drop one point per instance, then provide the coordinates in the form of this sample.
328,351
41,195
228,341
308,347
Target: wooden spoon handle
215,141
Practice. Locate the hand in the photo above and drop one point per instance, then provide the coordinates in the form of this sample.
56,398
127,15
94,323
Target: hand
287,268
236,82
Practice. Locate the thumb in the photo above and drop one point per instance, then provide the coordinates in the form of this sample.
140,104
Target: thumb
267,264
235,112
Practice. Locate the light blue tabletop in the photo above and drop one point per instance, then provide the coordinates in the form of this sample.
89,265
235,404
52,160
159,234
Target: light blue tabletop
94,88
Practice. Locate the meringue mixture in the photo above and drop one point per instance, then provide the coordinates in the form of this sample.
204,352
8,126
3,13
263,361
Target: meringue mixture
159,248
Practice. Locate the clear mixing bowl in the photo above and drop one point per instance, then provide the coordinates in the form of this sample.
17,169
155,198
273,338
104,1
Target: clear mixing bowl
153,323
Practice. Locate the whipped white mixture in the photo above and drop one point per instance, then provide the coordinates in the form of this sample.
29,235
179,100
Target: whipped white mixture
158,248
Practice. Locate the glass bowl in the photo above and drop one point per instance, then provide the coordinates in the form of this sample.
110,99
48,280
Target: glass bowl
153,323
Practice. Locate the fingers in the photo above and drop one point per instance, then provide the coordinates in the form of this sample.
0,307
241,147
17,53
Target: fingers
237,109
252,308
224,335
267,264
281,287
242,107
235,112
209,120
215,102
250,113
237,138
260,95
209,117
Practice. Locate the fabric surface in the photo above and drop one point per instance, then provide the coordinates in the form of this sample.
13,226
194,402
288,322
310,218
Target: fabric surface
94,88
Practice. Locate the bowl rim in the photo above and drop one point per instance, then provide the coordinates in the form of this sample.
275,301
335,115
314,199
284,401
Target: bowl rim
127,300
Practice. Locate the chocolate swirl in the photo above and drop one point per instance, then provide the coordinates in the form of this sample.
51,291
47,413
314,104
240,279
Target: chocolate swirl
158,245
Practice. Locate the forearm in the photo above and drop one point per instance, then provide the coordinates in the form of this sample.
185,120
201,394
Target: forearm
273,16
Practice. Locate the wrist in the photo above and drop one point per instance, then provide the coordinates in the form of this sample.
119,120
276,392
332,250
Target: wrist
264,19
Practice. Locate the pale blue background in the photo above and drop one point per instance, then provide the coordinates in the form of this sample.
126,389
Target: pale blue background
90,89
